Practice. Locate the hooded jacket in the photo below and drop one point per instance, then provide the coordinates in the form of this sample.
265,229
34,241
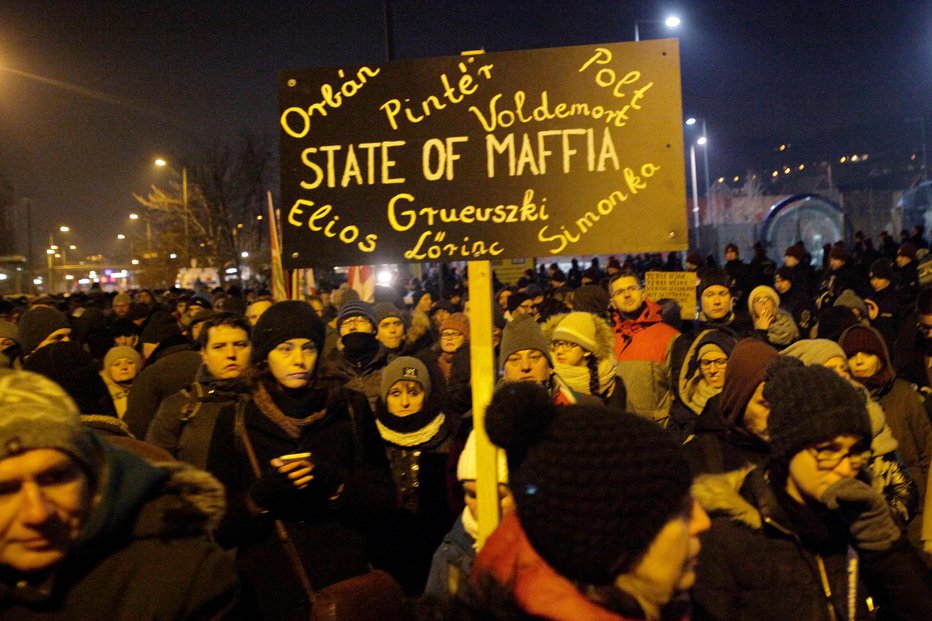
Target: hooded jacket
143,553
758,562
643,348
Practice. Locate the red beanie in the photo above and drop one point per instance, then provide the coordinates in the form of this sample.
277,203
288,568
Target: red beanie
744,373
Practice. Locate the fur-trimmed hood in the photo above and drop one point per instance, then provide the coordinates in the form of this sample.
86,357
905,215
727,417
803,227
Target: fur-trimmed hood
721,494
604,337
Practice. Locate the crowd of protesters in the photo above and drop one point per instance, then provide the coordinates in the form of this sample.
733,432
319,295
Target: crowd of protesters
220,455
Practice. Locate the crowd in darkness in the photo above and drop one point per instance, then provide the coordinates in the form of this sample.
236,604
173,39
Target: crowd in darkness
215,454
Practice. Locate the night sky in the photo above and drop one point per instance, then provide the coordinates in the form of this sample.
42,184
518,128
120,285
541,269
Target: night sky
112,85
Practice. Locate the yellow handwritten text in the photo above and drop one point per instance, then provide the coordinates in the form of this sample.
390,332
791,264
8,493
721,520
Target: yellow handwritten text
430,246
352,170
634,183
529,153
297,121
451,95
507,116
402,217
607,77
320,220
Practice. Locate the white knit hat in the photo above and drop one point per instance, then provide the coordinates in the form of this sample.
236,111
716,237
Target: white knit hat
466,468
578,328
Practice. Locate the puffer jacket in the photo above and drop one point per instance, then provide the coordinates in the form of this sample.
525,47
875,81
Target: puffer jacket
144,554
643,348
756,565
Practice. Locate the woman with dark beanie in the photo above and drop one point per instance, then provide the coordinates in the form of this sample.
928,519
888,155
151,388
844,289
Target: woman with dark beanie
331,488
803,537
732,430
870,365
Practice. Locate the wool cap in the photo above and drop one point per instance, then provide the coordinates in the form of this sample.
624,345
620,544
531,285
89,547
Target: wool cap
815,351
384,310
404,368
786,273
579,328
161,327
200,300
522,332
516,300
290,319
796,252
36,413
591,299
862,339
838,252
882,268
851,300
592,486
760,290
36,324
122,326
458,322
75,370
466,466
907,249
533,291
809,405
712,278
122,298
446,305
744,373
731,247
357,308
122,351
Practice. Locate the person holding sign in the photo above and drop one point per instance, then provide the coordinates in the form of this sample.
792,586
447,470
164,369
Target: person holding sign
643,345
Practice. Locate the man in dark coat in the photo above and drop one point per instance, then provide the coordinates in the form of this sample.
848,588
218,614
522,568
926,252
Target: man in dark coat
88,531
171,365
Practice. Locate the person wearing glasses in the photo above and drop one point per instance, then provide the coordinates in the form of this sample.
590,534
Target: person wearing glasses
870,365
802,536
358,359
581,348
522,304
701,376
643,348
772,323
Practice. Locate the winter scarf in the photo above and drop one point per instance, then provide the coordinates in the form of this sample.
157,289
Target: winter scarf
578,377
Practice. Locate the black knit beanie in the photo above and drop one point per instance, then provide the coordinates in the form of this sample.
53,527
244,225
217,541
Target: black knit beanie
809,405
36,324
712,278
161,327
291,319
68,365
592,486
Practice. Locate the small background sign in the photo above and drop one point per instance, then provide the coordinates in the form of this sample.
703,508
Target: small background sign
575,150
680,286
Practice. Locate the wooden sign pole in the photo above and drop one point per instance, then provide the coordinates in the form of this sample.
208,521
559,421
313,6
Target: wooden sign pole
482,358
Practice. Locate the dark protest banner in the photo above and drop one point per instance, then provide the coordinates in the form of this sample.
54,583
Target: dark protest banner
574,150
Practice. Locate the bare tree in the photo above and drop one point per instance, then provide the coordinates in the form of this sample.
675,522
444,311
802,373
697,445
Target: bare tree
225,188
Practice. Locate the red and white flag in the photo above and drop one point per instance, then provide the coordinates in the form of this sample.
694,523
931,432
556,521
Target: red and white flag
362,279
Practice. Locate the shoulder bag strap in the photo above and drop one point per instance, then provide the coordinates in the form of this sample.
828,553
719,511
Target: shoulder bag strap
239,427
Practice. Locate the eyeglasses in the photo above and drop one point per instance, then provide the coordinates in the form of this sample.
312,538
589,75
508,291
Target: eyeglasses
562,346
829,458
356,321
762,298
450,334
718,363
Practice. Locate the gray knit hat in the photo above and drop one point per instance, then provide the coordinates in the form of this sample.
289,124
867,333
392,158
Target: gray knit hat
122,351
384,310
404,368
36,413
523,332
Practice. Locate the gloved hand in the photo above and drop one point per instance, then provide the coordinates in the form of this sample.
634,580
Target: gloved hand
273,489
865,512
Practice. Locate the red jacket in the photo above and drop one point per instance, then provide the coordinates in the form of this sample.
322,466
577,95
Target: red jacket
645,338
535,586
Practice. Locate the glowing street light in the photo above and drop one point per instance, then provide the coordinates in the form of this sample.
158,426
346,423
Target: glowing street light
134,216
671,21
121,236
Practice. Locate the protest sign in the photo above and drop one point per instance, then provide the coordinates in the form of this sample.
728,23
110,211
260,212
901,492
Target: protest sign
574,150
679,286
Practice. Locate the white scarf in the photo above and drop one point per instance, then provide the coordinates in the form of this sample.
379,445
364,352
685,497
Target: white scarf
578,376
413,438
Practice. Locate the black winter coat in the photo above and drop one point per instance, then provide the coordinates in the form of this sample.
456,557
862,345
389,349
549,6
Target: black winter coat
757,564
330,533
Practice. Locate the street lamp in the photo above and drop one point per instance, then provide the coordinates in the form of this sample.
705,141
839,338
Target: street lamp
692,167
134,217
184,202
705,152
671,21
